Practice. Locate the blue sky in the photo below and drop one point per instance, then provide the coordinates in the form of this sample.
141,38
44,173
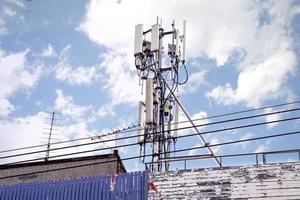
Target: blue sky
76,58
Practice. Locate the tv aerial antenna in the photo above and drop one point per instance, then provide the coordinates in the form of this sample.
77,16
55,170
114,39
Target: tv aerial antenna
52,131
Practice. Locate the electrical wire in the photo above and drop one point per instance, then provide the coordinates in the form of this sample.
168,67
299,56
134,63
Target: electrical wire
132,144
128,137
125,130
187,127
147,155
239,141
129,129
187,76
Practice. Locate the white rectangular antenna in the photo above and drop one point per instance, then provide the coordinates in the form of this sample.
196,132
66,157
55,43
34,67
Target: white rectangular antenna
149,101
175,125
138,39
177,42
184,41
155,37
141,118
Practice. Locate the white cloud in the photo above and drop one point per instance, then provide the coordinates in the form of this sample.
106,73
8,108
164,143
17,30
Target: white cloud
195,80
263,81
74,123
18,3
120,78
244,137
206,33
273,117
106,110
267,48
268,62
5,107
15,75
222,94
66,105
80,75
120,44
75,130
48,52
103,112
26,129
198,118
8,11
263,147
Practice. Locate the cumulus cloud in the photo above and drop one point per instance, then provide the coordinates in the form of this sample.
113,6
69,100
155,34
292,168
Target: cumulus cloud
273,117
74,123
48,52
206,33
30,129
265,46
268,62
120,42
198,118
80,75
258,82
17,3
26,129
245,137
106,110
65,105
15,75
120,78
263,147
195,80
8,11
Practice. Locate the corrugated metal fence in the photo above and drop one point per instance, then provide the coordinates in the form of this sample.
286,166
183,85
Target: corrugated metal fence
124,186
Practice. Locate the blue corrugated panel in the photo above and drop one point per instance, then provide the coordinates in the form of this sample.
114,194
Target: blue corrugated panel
129,186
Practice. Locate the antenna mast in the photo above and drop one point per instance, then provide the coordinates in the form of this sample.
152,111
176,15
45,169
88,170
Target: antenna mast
156,114
49,138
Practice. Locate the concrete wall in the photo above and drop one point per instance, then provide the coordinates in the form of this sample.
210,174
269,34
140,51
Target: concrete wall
91,170
273,181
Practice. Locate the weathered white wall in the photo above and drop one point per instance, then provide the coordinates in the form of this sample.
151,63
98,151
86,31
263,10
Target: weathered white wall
273,181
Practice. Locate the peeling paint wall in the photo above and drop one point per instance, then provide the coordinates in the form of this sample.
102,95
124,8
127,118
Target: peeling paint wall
272,181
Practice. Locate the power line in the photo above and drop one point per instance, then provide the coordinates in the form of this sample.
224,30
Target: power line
73,140
127,130
148,155
240,112
128,137
238,141
132,144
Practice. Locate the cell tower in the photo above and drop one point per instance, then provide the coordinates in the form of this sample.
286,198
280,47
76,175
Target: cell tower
157,117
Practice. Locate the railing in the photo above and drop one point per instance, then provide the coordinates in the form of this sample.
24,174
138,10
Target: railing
124,186
258,155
